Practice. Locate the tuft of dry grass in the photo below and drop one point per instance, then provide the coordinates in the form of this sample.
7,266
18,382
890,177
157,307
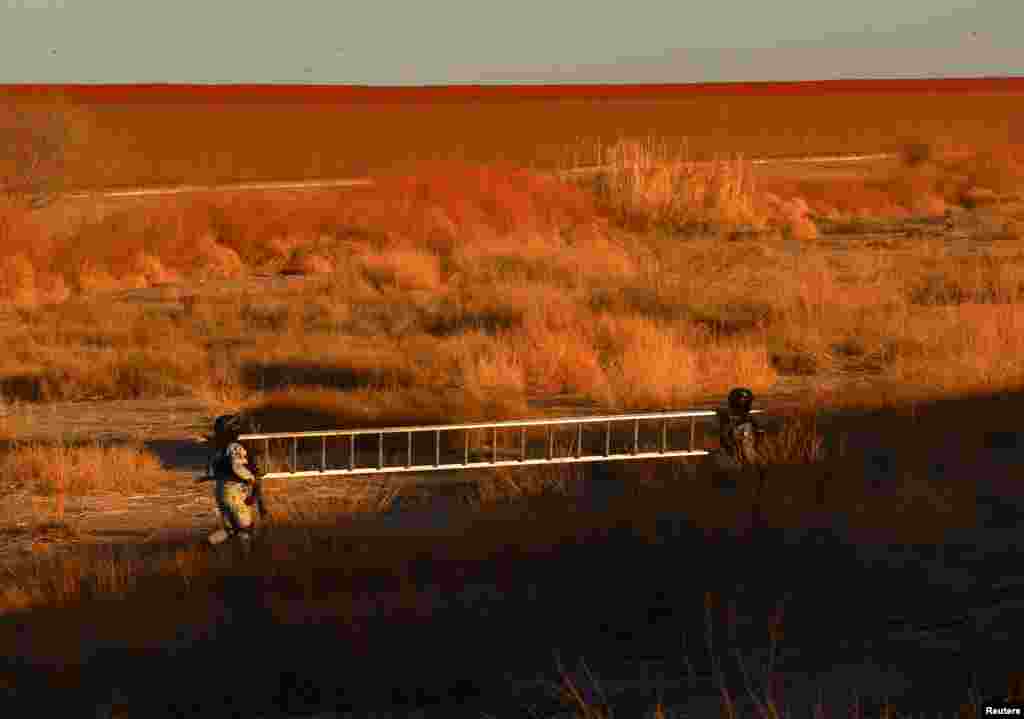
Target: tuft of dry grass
69,469
649,184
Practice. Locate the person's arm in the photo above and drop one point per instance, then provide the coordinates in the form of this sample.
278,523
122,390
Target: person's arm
746,443
759,431
256,495
239,465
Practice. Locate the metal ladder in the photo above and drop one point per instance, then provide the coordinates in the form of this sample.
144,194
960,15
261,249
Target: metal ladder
335,452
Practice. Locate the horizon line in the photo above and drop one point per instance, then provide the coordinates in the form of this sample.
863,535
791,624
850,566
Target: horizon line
517,85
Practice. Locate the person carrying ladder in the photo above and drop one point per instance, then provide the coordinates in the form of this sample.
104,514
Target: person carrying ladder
739,436
236,486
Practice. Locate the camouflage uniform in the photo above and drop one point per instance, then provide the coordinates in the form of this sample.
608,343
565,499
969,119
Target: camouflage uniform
234,485
737,453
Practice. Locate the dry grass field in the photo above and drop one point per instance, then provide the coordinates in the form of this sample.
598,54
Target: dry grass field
467,288
502,281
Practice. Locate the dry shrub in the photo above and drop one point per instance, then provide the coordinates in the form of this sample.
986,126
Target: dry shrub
997,169
793,215
17,280
51,288
654,364
486,364
962,347
798,442
282,247
262,228
560,362
405,268
843,196
25,244
940,177
311,263
444,196
914,153
24,286
80,470
216,260
353,498
522,255
649,365
124,372
438,231
928,205
595,257
151,270
556,343
92,278
347,284
649,183
493,306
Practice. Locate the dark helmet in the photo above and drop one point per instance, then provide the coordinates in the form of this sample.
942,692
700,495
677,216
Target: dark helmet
227,427
741,400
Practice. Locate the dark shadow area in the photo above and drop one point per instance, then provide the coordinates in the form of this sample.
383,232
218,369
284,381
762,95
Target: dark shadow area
461,625
180,454
272,376
25,387
452,323
125,533
174,454
973,437
52,385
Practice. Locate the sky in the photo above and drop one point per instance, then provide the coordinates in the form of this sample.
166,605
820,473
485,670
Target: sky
435,42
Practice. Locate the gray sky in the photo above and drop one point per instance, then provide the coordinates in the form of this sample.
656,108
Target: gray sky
415,42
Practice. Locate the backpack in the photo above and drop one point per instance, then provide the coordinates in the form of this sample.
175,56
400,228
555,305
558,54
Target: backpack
733,431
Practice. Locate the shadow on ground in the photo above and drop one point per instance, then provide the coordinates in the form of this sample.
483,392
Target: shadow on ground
180,454
271,376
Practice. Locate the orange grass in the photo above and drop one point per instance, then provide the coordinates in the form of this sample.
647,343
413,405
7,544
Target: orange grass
417,299
941,178
491,280
78,470
649,183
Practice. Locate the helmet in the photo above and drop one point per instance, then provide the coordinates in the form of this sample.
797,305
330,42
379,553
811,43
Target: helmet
741,400
227,425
